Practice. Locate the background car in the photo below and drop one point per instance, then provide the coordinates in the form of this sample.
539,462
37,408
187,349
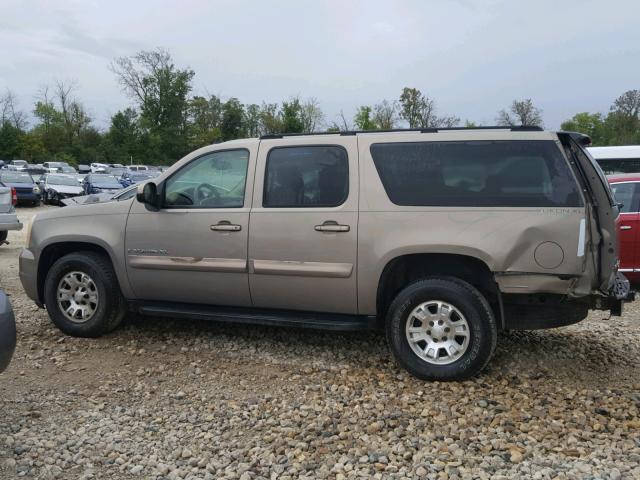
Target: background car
53,167
68,170
18,164
100,183
35,170
84,169
132,178
117,172
7,332
99,167
27,190
57,186
626,191
124,194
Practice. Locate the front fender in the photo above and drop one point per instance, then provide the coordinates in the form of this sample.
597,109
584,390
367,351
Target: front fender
86,226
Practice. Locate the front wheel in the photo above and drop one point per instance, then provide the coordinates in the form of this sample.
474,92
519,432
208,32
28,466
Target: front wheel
441,328
82,295
3,236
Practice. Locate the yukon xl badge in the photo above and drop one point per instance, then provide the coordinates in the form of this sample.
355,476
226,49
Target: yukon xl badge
146,251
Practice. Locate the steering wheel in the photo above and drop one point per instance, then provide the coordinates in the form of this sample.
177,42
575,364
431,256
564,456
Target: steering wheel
204,192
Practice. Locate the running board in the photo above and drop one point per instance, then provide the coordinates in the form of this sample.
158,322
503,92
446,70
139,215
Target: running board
258,316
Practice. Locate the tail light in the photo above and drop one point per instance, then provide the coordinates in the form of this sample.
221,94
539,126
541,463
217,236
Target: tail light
14,196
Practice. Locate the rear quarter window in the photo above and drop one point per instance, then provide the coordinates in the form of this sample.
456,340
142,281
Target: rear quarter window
518,173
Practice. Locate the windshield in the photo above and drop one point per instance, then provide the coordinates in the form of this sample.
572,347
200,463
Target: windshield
62,180
19,162
65,169
15,177
104,181
118,171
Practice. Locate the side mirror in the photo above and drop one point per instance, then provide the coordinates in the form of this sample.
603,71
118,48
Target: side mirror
148,194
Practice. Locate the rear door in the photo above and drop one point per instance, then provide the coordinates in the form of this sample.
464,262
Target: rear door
626,193
303,225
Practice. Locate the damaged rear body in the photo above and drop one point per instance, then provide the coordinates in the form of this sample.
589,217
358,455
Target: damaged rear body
532,206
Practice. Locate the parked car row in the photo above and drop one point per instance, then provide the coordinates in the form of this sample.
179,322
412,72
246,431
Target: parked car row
53,182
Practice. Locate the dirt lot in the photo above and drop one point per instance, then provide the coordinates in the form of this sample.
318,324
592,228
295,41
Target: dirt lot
185,399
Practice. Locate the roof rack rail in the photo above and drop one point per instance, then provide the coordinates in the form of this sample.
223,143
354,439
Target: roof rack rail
517,128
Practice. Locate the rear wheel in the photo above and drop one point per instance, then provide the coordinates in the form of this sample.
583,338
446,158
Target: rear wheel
82,295
441,328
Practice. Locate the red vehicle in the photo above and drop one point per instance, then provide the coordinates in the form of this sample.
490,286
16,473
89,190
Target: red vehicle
626,190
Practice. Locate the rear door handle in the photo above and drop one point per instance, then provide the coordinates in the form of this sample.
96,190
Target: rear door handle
625,227
331,226
226,226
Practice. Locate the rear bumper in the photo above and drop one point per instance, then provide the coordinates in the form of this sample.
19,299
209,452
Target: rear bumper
7,332
28,197
9,221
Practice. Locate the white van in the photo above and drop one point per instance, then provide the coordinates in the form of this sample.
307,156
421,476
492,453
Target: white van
622,159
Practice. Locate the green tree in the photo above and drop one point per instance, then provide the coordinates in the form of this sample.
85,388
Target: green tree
420,111
590,124
11,141
252,120
311,115
622,125
270,120
363,119
385,115
232,125
122,142
521,112
160,90
204,116
292,116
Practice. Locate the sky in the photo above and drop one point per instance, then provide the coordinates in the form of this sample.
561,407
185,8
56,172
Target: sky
472,57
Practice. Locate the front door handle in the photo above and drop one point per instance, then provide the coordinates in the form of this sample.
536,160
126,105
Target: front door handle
226,226
625,227
332,226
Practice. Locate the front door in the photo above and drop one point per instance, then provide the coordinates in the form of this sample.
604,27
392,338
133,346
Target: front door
627,194
194,249
304,220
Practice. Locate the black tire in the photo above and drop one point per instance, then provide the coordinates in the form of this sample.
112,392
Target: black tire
469,301
3,236
111,307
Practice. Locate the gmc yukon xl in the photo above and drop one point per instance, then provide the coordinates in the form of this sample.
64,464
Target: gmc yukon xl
443,237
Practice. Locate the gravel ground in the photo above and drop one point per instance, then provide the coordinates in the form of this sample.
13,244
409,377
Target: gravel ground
196,400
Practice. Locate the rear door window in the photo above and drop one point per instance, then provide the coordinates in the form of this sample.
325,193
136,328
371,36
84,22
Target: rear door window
307,176
476,174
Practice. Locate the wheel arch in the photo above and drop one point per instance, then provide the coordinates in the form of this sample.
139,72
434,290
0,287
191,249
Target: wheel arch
57,249
405,269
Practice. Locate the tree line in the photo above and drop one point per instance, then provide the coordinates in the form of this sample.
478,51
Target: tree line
166,120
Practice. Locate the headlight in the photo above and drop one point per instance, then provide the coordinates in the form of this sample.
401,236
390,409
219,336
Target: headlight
36,189
29,228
